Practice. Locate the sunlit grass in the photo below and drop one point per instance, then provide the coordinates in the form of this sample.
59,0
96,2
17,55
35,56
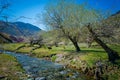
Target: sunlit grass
25,49
115,47
89,55
93,55
43,52
11,46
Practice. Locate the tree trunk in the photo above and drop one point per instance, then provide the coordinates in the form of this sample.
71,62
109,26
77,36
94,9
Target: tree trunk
112,55
75,44
74,41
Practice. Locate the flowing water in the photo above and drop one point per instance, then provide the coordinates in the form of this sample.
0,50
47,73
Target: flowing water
39,69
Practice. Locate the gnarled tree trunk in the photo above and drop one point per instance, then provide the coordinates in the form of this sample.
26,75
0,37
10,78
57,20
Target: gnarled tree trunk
112,55
76,46
73,40
75,43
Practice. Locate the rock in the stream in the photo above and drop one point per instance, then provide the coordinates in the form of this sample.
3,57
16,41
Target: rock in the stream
40,78
63,72
2,77
30,79
27,68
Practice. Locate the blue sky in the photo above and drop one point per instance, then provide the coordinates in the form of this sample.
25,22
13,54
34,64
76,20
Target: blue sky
30,8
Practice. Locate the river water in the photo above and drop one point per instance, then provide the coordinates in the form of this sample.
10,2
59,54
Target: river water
39,69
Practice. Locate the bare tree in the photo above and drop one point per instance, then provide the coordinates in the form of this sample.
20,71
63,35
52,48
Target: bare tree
69,17
94,19
61,16
112,55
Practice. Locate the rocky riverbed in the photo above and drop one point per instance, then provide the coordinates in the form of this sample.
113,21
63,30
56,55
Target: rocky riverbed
39,69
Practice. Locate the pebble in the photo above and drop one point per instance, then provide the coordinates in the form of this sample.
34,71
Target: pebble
63,72
40,78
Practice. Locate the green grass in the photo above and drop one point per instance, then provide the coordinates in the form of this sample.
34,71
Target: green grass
91,58
25,49
115,47
9,67
43,52
89,55
11,46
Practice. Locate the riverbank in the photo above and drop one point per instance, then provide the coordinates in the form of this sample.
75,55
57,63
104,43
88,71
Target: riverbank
84,61
39,69
9,66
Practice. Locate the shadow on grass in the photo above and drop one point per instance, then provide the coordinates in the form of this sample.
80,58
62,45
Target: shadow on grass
85,51
94,51
69,50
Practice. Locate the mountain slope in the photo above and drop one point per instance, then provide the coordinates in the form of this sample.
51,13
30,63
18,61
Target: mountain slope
19,29
4,38
27,29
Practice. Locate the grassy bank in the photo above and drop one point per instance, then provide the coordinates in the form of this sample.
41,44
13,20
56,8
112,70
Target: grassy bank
91,55
10,68
82,61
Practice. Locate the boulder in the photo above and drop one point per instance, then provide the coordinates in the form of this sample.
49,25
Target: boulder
2,77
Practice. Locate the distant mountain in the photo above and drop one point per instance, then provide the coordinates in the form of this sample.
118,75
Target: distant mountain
19,29
117,13
6,38
114,19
